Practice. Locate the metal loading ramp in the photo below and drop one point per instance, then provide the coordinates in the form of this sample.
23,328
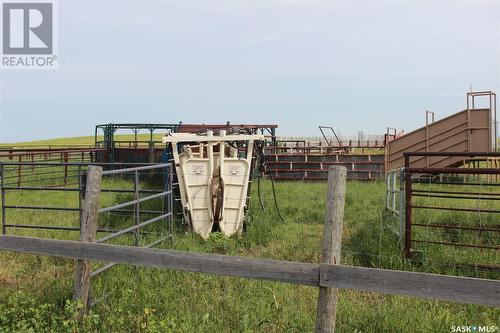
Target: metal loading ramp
470,130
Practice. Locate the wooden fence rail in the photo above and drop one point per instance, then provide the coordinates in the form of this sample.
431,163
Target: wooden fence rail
424,285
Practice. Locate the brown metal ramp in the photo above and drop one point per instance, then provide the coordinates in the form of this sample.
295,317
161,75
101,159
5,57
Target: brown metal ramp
470,130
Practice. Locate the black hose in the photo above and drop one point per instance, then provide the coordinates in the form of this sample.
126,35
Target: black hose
260,195
275,200
263,169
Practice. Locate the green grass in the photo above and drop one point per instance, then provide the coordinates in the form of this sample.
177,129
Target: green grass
76,141
35,291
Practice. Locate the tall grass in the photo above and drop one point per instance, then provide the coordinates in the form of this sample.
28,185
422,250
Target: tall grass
129,299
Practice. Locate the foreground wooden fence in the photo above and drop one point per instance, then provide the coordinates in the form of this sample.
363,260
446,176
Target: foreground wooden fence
432,286
327,275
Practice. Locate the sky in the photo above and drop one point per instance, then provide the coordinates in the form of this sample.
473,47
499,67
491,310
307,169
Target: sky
353,65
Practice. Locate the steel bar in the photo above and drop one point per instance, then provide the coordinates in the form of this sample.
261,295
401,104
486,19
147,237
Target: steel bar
141,168
476,210
114,190
41,208
158,241
131,211
137,216
46,150
80,197
489,267
27,226
401,203
2,193
38,180
448,226
33,175
453,183
27,188
452,153
317,147
49,186
29,152
82,164
132,228
465,171
48,227
133,202
19,170
113,264
170,201
457,192
103,269
408,209
457,244
395,211
453,197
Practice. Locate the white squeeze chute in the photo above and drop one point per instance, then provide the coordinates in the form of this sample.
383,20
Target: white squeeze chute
213,179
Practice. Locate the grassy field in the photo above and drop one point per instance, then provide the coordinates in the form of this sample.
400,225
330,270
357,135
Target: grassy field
36,291
76,141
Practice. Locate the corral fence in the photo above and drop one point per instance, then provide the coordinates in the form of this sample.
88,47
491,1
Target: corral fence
298,146
314,167
31,162
59,188
453,212
162,218
140,203
165,214
327,276
394,196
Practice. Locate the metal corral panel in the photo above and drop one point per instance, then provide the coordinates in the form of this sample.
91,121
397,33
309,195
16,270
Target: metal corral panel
468,130
377,158
289,158
315,167
125,155
322,158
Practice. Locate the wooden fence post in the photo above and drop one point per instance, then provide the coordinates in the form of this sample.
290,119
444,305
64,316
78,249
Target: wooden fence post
332,243
87,234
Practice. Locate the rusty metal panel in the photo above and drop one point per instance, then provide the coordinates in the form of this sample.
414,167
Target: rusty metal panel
467,130
369,167
291,158
322,158
315,167
195,128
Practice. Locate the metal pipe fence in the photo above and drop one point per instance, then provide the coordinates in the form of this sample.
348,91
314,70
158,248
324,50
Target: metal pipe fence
150,219
456,207
165,214
395,196
23,172
58,180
